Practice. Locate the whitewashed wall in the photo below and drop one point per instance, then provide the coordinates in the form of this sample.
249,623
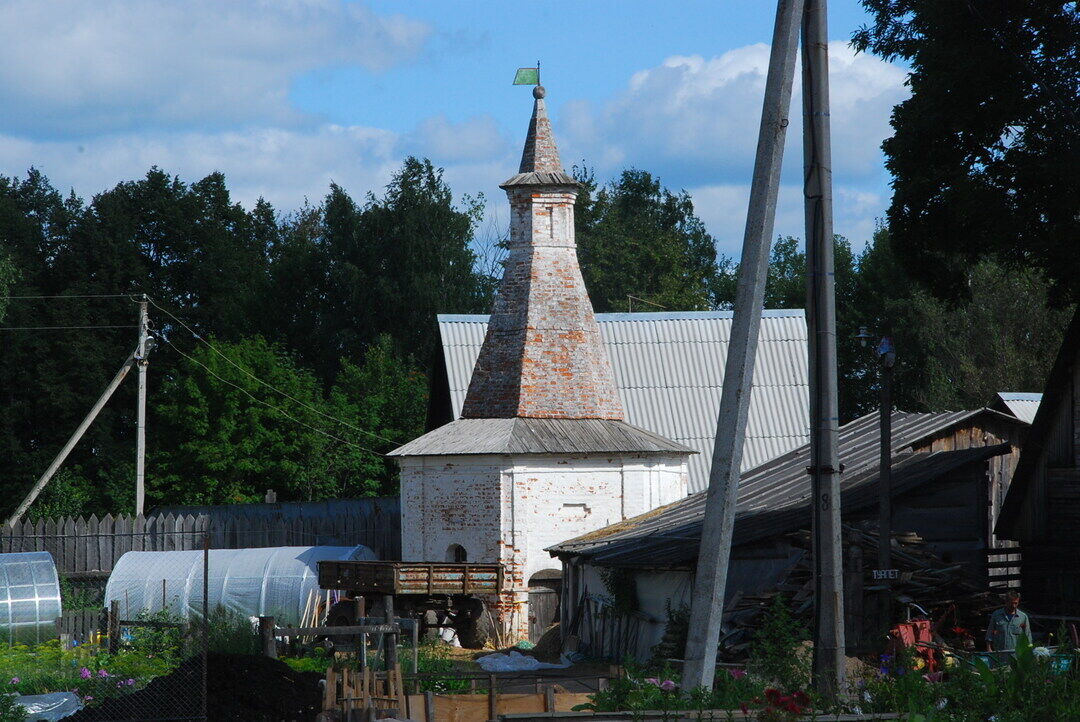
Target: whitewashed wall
509,509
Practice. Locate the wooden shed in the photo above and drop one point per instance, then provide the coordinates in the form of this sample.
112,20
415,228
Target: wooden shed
1042,509
950,475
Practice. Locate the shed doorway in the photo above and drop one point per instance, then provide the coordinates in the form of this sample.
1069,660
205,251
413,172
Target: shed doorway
544,589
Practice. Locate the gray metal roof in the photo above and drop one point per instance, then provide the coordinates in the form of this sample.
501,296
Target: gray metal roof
774,498
1020,404
539,436
669,368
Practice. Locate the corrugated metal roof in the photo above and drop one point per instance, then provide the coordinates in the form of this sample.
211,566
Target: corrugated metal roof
669,368
1020,404
774,497
538,436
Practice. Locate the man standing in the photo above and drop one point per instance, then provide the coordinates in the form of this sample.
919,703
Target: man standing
1007,625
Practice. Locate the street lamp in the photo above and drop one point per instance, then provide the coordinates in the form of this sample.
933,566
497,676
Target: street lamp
886,354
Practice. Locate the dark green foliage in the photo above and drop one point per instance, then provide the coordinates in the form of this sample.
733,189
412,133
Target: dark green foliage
951,353
637,238
778,654
344,295
985,154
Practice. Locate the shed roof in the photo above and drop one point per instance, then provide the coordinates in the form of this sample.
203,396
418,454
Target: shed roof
1021,404
774,497
669,368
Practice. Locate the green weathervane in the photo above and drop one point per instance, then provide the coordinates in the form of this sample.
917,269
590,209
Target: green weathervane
528,76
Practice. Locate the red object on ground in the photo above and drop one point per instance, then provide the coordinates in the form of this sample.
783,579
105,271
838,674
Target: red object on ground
917,634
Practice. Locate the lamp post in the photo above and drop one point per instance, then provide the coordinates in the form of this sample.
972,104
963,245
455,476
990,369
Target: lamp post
886,354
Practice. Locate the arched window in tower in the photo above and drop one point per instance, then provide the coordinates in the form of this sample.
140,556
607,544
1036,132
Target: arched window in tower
456,554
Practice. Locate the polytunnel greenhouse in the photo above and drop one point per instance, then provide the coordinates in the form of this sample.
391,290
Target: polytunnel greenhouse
275,581
29,597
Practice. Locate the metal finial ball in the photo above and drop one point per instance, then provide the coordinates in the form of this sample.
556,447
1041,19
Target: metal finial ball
539,92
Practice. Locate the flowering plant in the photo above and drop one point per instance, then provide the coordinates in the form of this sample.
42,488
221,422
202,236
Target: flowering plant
776,706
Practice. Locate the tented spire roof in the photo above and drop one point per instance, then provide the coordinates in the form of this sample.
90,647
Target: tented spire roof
540,164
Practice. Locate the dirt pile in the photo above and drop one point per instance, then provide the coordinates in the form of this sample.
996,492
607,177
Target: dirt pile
239,687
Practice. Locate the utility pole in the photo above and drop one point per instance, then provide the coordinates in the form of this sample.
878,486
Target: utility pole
887,358
828,666
714,553
140,429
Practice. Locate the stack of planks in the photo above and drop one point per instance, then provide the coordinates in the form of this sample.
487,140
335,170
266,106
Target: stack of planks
376,694
957,601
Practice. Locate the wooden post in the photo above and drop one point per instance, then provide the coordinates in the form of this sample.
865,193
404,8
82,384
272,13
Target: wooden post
549,699
493,699
416,647
330,691
390,653
266,634
114,626
429,707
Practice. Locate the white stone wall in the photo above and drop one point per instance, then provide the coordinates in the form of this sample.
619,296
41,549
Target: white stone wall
509,509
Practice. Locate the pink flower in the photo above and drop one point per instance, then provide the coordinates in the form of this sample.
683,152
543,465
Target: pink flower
102,673
652,681
88,698
84,673
932,676
130,682
15,680
668,685
737,673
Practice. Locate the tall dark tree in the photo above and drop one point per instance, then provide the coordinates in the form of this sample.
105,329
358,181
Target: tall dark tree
416,244
637,238
985,154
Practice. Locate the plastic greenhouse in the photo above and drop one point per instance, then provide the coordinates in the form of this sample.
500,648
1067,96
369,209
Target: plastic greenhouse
29,597
275,581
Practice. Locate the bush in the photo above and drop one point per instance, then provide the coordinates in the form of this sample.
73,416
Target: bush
778,653
10,710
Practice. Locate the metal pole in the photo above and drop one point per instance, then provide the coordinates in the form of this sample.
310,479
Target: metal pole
707,604
829,650
885,484
140,428
83,426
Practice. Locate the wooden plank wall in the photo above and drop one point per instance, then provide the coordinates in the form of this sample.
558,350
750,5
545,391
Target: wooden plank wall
85,546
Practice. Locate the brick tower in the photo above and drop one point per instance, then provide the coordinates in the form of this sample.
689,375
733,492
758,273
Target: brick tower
541,452
543,356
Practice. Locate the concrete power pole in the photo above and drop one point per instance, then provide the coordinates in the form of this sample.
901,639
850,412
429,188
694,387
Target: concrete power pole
715,552
141,354
821,320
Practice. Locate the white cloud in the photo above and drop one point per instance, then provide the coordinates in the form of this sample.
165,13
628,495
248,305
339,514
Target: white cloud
723,209
71,67
694,122
475,139
699,117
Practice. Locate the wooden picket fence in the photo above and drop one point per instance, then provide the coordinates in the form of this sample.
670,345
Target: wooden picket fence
91,546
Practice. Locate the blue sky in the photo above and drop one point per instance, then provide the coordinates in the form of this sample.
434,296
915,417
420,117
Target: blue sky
284,96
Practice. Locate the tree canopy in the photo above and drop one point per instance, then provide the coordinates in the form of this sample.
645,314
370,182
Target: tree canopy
985,154
637,238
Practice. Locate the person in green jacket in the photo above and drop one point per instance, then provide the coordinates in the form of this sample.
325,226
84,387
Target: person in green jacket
1007,625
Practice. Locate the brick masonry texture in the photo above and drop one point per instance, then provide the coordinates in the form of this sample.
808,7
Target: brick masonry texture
543,355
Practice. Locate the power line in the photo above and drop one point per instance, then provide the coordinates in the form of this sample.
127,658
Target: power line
57,328
267,404
264,383
84,295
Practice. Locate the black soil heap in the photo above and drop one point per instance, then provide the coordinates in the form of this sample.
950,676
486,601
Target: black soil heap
238,687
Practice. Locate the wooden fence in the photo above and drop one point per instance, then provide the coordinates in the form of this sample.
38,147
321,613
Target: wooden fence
84,547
